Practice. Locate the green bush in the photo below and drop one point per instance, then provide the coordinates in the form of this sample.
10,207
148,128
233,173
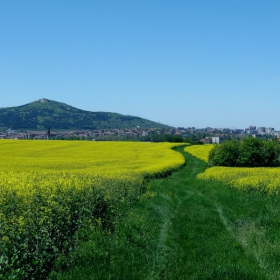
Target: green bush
225,154
250,152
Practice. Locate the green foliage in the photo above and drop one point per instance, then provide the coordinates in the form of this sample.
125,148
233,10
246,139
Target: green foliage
44,114
272,153
177,139
185,228
250,152
225,154
35,231
166,138
45,211
193,139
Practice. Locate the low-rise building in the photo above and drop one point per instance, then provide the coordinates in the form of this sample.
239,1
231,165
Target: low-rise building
216,140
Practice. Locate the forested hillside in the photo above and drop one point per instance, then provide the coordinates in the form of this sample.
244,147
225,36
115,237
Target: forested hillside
44,114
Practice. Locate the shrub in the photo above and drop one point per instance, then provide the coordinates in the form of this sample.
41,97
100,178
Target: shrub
225,154
250,152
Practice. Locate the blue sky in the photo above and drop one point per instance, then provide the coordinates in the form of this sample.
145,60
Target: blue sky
202,63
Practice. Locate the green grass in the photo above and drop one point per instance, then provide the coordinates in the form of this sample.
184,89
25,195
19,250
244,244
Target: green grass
184,228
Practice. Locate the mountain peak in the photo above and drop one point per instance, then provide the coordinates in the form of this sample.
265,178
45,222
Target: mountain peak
43,100
45,113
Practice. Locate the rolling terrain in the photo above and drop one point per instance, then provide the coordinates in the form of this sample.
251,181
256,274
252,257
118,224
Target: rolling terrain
44,114
184,228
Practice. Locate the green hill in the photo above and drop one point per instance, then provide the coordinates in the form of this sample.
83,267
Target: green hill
44,113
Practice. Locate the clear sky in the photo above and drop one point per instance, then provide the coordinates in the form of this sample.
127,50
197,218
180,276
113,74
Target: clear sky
202,63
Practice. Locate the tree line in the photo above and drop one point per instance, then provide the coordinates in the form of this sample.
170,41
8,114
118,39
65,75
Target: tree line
249,152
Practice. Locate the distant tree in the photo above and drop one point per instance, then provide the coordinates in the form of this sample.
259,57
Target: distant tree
272,156
250,152
169,138
225,154
177,139
166,138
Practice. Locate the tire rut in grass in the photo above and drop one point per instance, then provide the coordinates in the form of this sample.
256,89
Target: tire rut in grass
199,242
182,231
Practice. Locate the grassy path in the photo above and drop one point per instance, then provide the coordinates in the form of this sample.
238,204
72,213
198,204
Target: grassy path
187,229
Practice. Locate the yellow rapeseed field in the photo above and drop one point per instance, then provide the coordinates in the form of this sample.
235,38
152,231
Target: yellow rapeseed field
200,151
102,158
266,179
51,189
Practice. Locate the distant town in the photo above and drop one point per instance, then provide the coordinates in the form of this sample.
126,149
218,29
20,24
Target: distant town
180,134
